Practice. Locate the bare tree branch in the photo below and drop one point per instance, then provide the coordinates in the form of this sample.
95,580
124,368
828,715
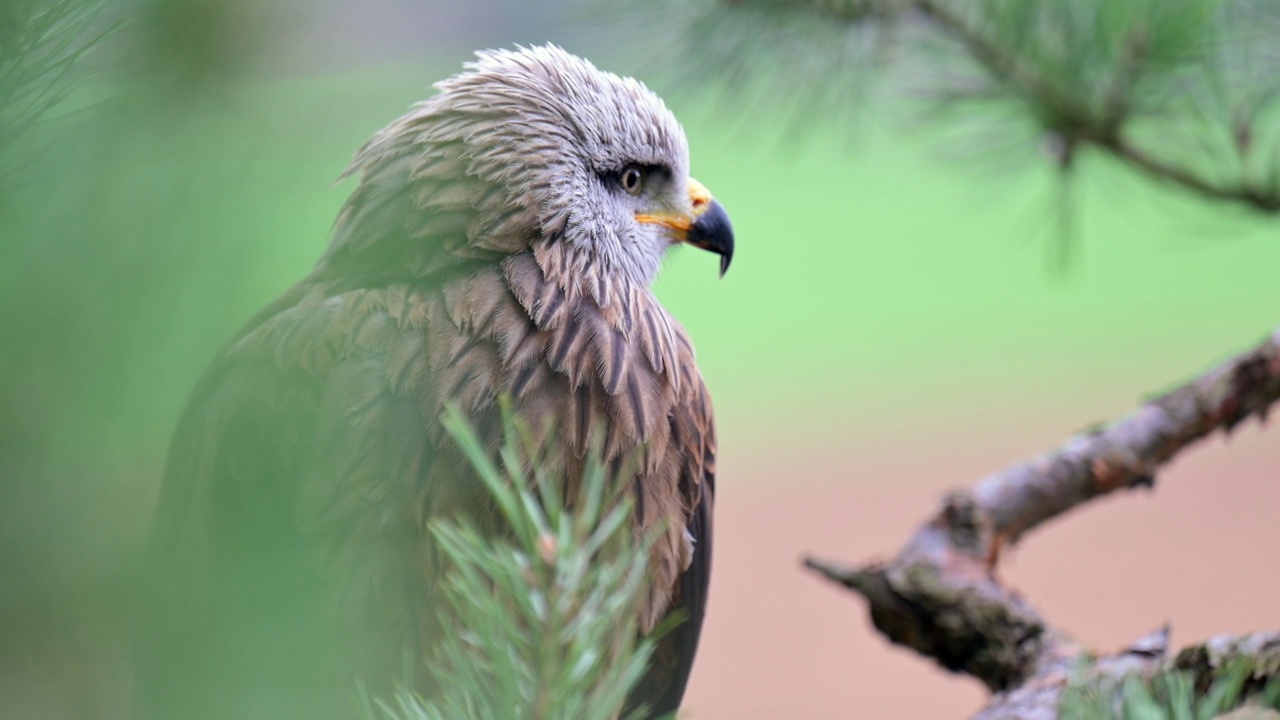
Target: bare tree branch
940,595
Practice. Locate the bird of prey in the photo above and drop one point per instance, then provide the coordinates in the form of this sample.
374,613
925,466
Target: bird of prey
501,242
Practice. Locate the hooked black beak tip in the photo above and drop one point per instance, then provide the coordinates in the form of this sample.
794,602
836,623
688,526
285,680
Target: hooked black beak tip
712,231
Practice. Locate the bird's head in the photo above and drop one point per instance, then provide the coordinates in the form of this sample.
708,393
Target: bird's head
539,146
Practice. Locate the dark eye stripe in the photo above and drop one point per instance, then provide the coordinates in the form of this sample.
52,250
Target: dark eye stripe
645,173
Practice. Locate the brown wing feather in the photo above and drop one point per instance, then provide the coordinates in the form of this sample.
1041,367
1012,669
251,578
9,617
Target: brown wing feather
692,440
285,553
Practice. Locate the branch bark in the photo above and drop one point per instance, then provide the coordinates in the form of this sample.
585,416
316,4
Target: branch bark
940,595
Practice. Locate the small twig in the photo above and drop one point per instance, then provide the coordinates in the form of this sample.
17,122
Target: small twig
939,598
1260,199
1004,66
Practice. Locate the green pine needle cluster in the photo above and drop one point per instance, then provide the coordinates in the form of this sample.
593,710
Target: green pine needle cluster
1183,92
547,616
1169,695
42,43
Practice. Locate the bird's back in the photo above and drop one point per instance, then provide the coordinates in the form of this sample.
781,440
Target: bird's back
285,548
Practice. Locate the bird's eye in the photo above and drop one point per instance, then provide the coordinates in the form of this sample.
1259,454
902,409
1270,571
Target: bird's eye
632,180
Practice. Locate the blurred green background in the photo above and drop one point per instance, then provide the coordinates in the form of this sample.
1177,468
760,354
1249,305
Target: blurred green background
885,289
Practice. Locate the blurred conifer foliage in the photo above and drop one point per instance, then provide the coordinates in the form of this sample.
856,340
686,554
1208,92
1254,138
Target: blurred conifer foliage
1182,92
41,46
99,234
186,45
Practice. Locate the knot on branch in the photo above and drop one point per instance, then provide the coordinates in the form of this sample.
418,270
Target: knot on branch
969,528
941,600
967,624
1254,386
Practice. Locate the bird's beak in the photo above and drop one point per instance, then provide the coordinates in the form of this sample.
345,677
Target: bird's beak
706,226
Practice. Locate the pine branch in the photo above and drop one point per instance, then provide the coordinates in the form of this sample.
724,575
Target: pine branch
545,620
1122,78
42,50
1079,123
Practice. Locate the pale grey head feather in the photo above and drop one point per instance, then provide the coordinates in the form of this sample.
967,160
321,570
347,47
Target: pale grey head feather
533,141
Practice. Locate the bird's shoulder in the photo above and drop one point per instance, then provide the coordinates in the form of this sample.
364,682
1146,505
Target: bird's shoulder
298,465
318,325
320,369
